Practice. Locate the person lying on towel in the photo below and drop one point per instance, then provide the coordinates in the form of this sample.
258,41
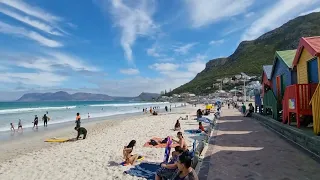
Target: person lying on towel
81,130
167,171
127,156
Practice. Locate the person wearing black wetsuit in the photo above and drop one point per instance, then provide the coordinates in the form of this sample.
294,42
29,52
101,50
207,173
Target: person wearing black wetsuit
45,120
81,130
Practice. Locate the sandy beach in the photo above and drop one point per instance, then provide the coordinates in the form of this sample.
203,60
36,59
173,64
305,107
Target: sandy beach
98,156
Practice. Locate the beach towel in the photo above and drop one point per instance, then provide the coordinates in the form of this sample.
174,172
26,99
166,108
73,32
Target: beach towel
204,119
144,170
160,145
192,131
167,150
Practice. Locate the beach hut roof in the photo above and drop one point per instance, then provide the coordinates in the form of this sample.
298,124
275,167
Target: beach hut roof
312,45
286,56
267,69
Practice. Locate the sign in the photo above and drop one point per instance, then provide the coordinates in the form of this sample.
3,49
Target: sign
292,104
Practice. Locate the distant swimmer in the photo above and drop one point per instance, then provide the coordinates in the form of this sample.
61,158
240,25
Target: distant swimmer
20,125
81,130
88,115
35,122
12,127
45,120
78,118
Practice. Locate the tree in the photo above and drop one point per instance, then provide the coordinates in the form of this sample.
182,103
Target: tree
165,91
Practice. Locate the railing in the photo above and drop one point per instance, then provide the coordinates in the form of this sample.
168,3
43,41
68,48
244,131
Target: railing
315,102
296,100
270,101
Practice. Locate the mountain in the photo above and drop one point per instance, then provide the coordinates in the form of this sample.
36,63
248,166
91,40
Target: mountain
251,55
64,96
148,96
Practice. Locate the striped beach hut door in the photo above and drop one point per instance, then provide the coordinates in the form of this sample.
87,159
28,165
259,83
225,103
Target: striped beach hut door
313,71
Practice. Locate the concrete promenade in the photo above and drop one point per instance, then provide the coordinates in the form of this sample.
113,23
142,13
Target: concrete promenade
244,149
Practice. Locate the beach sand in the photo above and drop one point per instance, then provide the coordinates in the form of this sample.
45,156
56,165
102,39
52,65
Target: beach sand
98,156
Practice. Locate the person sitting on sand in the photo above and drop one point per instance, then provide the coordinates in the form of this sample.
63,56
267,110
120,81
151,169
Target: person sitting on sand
182,143
127,150
201,128
185,169
12,127
155,113
177,125
81,130
166,171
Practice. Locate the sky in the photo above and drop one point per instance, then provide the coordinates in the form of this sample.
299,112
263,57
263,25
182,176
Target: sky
125,47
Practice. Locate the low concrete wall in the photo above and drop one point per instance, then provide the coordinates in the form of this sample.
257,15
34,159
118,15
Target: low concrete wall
308,141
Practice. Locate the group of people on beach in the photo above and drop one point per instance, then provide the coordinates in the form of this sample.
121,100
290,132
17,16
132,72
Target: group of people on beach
45,120
179,166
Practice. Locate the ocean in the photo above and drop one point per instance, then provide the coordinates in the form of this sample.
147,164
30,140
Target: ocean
59,112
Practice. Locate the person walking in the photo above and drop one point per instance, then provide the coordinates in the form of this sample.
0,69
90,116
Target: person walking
78,118
35,122
20,125
45,120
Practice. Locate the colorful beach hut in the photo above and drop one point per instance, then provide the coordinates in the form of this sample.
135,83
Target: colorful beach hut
298,96
266,78
268,97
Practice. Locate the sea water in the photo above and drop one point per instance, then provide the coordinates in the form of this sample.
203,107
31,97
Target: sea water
60,112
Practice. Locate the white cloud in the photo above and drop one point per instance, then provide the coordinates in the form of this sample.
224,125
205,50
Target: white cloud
32,22
31,10
215,42
205,12
164,66
153,51
43,79
279,13
129,71
184,49
19,31
311,11
134,19
250,14
166,59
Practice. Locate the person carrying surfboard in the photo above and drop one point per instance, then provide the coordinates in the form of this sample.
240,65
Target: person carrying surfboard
45,120
81,130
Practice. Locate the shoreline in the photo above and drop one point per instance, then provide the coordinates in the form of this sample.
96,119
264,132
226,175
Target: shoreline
99,155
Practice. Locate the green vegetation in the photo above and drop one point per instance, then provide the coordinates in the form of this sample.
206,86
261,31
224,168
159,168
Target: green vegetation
250,56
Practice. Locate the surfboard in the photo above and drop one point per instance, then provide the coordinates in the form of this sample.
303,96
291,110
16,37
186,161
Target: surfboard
56,140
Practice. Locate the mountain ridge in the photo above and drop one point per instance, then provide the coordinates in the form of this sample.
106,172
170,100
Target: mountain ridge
81,96
251,55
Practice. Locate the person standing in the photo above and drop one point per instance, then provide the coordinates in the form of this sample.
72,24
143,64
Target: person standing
45,120
243,108
170,107
78,118
35,122
88,116
12,127
20,125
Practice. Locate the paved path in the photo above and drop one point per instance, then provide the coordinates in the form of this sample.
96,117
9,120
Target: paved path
243,149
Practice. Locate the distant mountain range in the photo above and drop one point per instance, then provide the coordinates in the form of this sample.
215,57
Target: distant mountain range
64,96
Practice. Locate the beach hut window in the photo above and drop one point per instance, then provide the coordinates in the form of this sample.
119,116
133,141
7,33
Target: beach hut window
313,72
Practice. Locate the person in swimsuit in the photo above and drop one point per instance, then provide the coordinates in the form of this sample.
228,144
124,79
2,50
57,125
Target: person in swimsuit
20,125
127,150
12,127
78,118
177,125
182,143
35,122
186,172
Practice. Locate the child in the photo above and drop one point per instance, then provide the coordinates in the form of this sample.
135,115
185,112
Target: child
12,127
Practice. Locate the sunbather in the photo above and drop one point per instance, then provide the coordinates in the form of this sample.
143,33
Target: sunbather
185,169
167,171
177,126
182,143
127,150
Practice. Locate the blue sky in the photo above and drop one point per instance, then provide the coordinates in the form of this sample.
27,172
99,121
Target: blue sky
124,47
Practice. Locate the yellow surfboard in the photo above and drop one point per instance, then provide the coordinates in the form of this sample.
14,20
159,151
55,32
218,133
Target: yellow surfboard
56,140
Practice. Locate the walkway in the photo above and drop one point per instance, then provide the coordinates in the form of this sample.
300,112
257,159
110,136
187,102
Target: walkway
243,149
